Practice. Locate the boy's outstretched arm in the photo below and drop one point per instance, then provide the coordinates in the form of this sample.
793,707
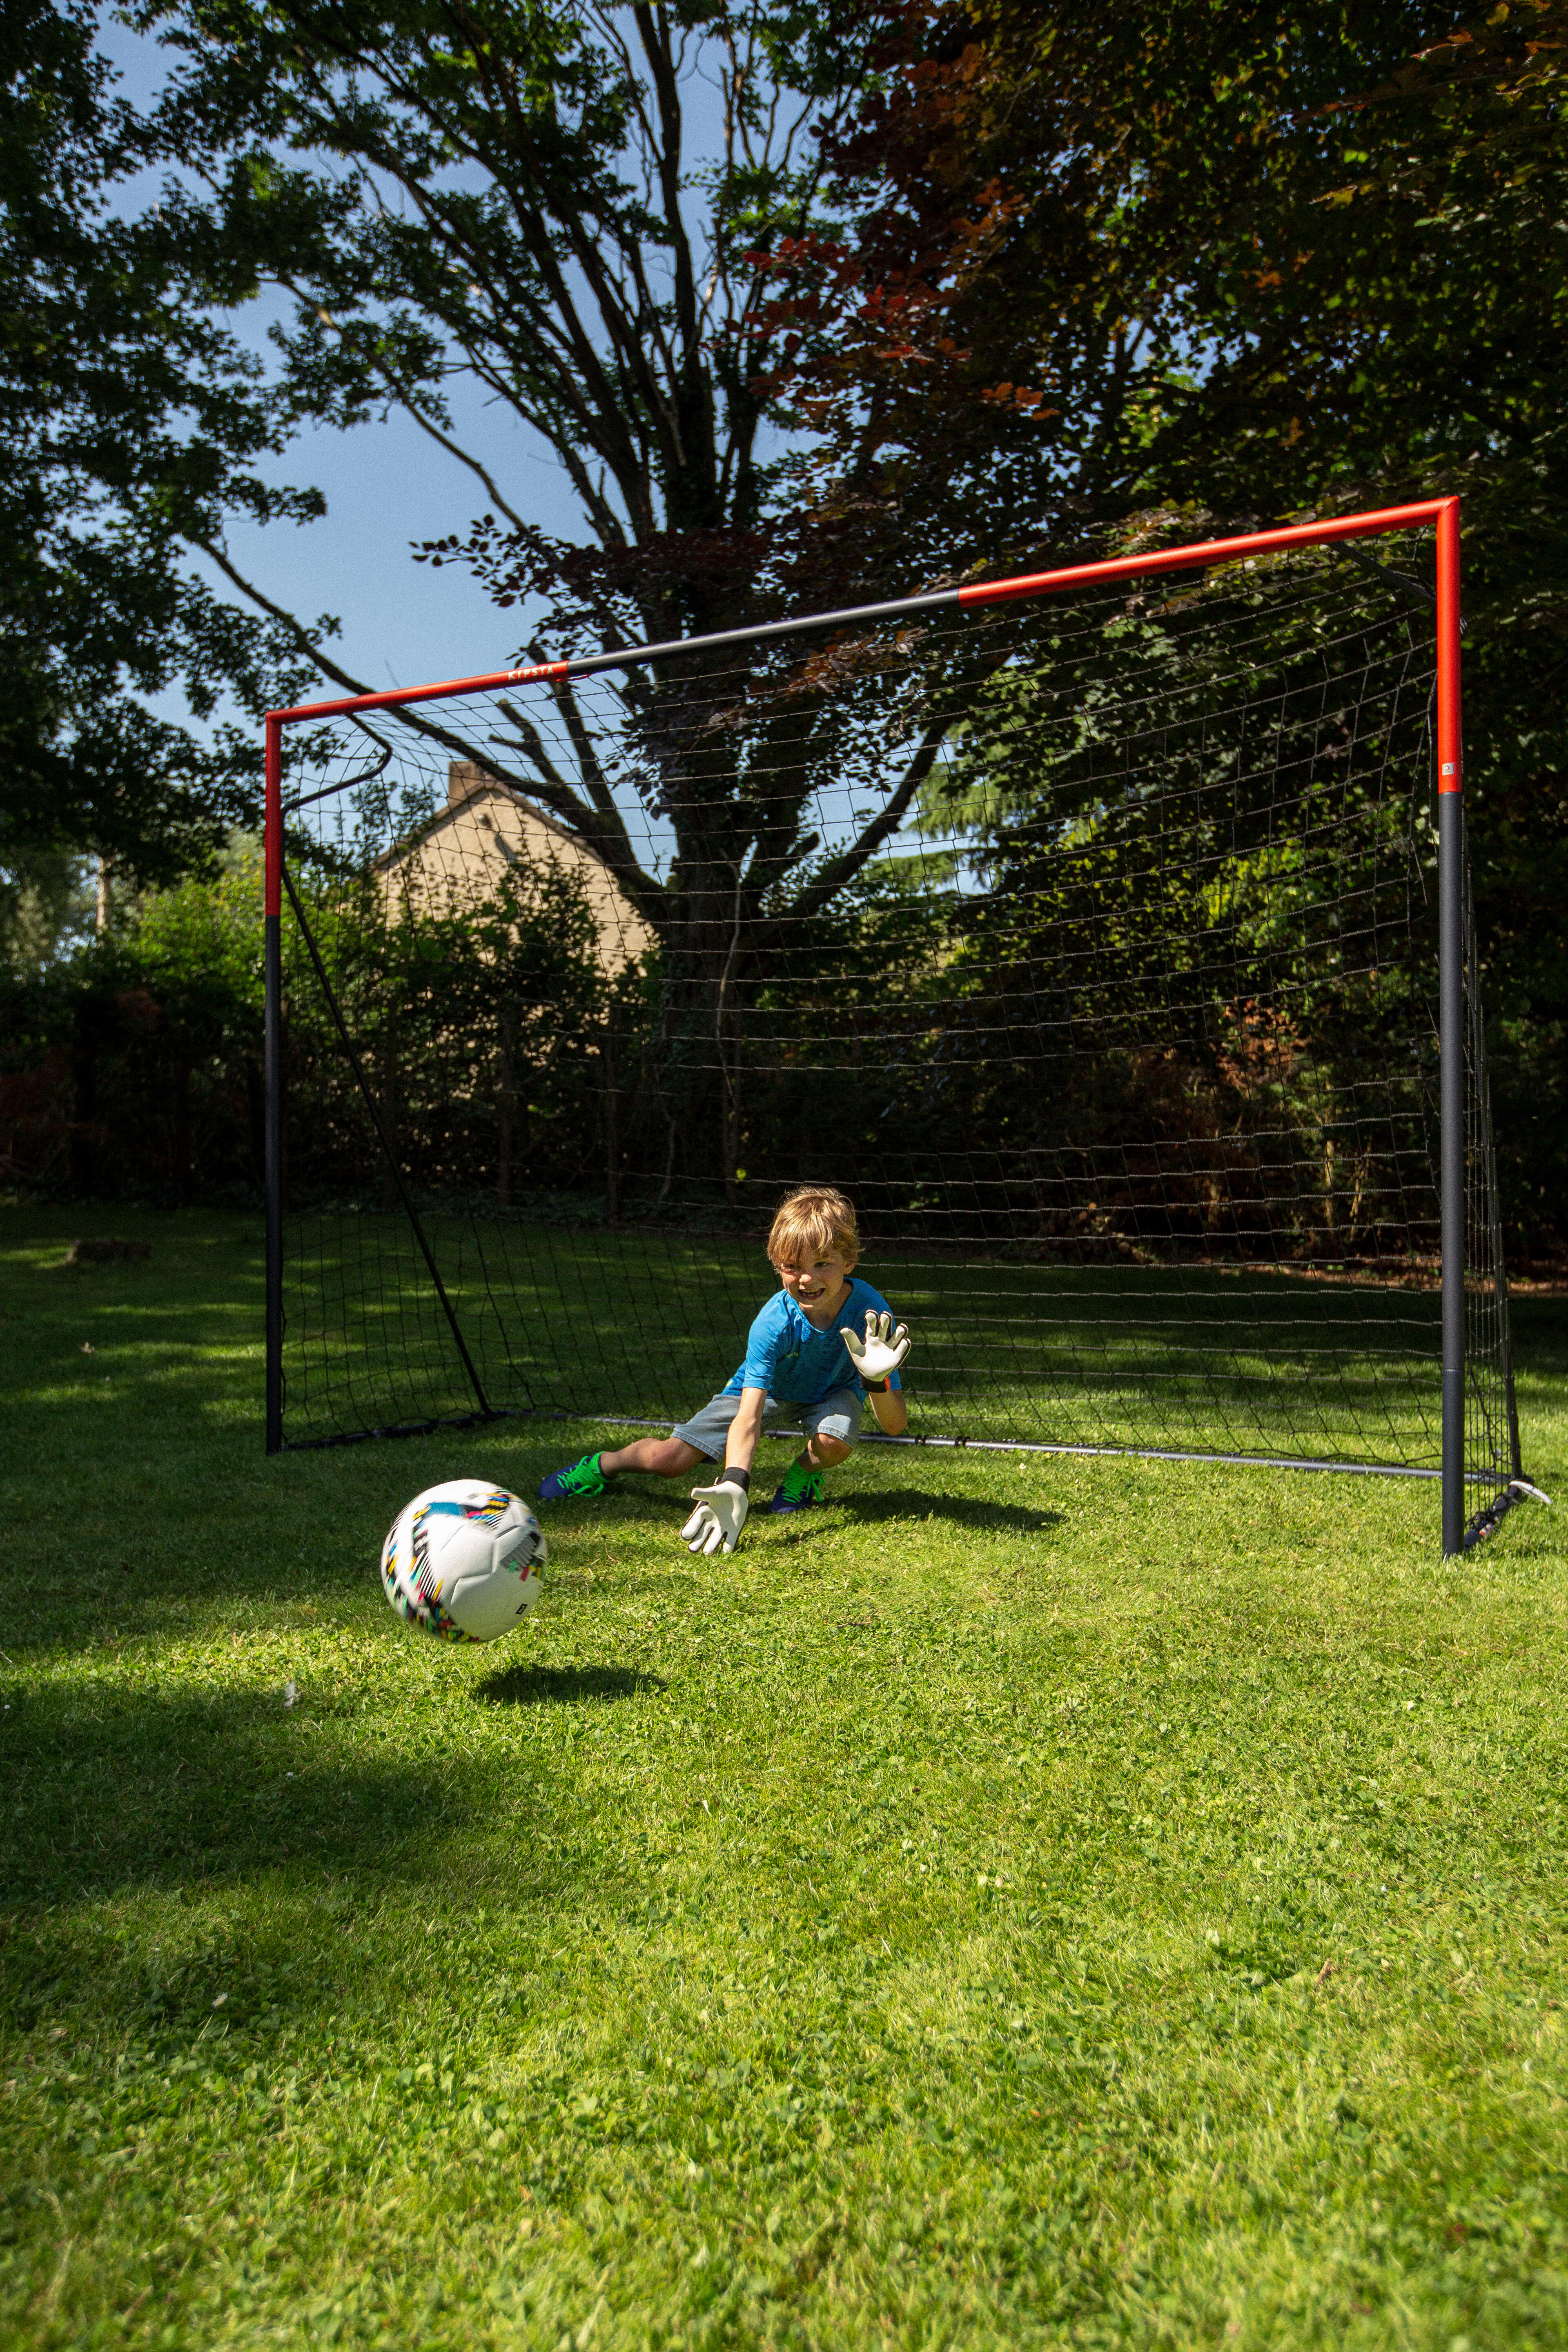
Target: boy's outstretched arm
722,1508
892,1414
745,1430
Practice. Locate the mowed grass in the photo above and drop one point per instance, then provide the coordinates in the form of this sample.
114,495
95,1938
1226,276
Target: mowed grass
1030,1903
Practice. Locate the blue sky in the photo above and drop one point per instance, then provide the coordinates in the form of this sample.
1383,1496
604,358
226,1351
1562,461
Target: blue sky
386,485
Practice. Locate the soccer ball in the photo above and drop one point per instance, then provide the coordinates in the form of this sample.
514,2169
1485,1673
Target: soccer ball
463,1561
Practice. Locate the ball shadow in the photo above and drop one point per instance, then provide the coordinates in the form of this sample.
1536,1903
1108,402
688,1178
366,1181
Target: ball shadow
565,1685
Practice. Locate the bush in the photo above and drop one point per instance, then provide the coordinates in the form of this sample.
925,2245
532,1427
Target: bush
132,1068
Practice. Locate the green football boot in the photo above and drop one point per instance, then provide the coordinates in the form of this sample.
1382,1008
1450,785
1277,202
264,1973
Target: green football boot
577,1482
800,1490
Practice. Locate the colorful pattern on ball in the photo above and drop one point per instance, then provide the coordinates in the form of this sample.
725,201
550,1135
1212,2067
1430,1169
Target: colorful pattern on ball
418,1568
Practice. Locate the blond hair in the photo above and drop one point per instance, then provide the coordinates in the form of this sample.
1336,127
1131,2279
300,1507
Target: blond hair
813,1217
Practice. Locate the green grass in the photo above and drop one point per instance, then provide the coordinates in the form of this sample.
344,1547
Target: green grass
1033,1902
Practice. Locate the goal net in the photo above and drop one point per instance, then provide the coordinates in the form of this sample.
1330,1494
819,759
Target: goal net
1085,932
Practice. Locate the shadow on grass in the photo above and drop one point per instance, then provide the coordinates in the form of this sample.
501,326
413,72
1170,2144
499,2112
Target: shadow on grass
564,1685
1539,1328
112,1790
961,1510
868,1508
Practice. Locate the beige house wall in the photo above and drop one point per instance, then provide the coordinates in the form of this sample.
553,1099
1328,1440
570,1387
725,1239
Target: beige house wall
486,829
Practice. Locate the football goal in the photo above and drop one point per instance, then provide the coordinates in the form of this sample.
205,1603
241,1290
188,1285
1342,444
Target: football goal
1104,933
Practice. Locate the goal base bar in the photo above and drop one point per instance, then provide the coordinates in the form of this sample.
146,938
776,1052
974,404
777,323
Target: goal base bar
1484,1523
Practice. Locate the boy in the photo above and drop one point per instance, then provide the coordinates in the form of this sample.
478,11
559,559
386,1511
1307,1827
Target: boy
807,1359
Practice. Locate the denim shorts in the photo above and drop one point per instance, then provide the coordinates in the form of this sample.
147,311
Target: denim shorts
838,1415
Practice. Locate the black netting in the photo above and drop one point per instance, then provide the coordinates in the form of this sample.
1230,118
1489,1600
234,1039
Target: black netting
1491,1424
1088,941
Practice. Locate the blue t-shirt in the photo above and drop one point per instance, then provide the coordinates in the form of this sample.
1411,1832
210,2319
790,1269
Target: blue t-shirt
796,1362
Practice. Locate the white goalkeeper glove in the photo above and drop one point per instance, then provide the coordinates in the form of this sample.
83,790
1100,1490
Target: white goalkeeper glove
720,1516
882,1351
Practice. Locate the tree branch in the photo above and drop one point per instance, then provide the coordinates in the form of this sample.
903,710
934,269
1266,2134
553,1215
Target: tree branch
830,878
407,401
668,159
297,629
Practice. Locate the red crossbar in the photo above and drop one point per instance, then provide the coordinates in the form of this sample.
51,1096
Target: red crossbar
1208,550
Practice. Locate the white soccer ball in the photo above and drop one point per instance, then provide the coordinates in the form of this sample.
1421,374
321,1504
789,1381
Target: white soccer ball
463,1561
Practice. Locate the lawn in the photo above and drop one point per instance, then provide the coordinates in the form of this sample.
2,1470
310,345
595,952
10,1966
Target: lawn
1033,1902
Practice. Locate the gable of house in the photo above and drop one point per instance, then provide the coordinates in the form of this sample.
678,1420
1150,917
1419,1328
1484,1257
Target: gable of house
487,829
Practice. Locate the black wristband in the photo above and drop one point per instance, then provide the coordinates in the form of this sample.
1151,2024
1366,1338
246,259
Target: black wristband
741,1478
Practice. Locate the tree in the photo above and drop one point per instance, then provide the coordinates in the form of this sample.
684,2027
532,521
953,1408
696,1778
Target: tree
127,414
518,199
1178,267
1008,275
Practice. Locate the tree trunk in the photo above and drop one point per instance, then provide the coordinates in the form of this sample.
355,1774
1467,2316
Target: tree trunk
389,1094
181,1141
611,1102
507,1105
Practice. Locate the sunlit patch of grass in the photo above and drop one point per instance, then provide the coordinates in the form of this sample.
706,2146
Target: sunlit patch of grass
1029,1902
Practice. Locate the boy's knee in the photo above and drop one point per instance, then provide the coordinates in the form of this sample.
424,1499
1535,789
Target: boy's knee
834,1437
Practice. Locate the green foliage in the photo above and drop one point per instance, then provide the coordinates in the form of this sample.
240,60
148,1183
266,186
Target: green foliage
1194,257
1181,943
204,932
47,903
1033,1903
1211,268
130,418
133,1067
1010,275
